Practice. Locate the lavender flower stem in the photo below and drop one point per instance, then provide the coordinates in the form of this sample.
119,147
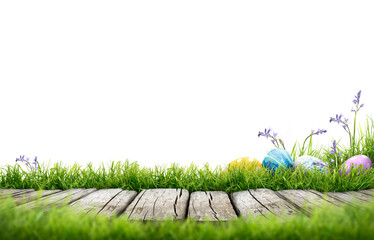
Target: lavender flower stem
354,133
275,140
349,132
302,149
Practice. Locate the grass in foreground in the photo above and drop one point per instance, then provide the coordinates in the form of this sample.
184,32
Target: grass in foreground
61,223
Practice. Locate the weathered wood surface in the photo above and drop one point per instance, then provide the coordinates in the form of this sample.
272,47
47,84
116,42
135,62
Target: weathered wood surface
272,202
355,199
212,205
33,195
303,200
95,201
326,197
361,197
4,193
8,191
61,198
158,204
369,192
119,203
245,204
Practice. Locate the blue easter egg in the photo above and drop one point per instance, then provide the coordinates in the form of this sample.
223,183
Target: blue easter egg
310,162
277,158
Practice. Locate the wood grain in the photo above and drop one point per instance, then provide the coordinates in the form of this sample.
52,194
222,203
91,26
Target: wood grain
119,203
369,192
303,200
346,198
95,201
212,205
158,204
33,195
4,193
60,198
246,205
272,202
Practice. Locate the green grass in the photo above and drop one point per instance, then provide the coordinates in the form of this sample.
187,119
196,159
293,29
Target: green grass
131,176
61,223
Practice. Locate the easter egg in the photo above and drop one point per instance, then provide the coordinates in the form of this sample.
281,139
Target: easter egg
310,163
355,162
277,158
246,162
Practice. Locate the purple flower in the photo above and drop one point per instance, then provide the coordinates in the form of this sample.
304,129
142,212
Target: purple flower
35,163
21,158
313,132
333,148
27,162
319,131
273,137
337,119
356,101
266,133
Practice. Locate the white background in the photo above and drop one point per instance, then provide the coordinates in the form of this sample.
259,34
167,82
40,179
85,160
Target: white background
177,81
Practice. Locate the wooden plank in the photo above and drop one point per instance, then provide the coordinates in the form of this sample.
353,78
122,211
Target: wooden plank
61,198
360,197
119,203
158,204
245,204
272,202
23,191
69,196
95,201
345,198
214,205
369,192
339,198
326,197
303,200
13,191
4,193
31,196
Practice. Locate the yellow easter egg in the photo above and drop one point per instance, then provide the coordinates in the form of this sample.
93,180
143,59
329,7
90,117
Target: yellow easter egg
246,162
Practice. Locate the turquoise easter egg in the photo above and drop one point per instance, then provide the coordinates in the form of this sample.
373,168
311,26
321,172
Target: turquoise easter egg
310,163
277,158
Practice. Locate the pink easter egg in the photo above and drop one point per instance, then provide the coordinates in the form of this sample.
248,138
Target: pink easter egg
355,162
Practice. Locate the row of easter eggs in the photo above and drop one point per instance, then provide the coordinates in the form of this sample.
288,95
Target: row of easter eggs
278,157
